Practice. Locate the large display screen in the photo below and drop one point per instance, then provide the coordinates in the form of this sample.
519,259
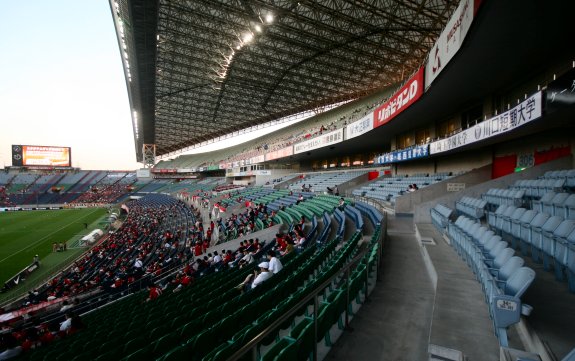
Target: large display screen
39,155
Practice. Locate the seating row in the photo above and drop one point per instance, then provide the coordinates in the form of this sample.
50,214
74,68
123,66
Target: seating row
549,239
501,274
504,196
556,204
535,188
440,215
473,207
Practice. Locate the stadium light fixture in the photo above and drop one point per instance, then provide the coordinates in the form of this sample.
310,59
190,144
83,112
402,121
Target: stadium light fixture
269,18
248,37
258,28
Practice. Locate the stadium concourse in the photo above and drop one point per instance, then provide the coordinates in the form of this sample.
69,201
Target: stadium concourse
429,214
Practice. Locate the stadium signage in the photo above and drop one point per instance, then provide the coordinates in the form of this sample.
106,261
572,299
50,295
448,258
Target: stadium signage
186,170
257,159
41,156
416,152
280,153
525,112
401,100
561,92
164,171
450,40
359,127
320,141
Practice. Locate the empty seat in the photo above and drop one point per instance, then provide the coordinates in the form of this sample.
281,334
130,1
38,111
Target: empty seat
527,231
559,247
545,231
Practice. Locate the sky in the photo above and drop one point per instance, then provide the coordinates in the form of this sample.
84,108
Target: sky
62,82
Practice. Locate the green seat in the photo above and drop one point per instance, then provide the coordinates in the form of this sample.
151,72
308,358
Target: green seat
303,333
135,344
286,349
166,343
142,354
180,353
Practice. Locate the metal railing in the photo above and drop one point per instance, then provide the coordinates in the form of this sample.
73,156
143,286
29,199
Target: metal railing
252,344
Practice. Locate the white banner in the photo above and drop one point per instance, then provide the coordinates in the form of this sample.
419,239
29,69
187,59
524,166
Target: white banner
186,170
319,142
527,111
263,172
143,173
359,127
257,159
281,153
450,40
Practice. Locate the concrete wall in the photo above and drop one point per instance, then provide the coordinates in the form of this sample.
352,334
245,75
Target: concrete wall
421,210
406,203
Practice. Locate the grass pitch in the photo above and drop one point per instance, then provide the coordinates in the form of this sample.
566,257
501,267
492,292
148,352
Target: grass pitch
25,234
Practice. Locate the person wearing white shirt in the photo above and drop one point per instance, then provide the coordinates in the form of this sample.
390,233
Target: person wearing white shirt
274,263
264,274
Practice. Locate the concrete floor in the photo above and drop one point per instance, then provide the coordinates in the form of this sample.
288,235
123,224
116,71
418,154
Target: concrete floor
394,324
405,313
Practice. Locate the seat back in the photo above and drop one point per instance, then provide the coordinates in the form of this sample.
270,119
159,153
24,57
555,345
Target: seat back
498,248
512,265
502,258
519,282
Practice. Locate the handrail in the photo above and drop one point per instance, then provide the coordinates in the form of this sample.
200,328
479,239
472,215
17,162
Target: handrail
252,345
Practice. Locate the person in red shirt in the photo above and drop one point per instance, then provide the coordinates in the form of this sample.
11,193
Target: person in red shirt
198,249
155,292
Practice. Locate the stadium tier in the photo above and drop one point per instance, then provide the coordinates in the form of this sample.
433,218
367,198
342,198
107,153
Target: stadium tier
426,202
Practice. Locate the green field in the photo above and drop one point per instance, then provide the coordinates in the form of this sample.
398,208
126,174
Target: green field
25,234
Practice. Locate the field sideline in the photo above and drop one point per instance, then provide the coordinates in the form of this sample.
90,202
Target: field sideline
25,234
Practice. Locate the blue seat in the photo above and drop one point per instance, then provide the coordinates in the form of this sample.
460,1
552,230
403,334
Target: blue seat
538,205
567,209
492,216
507,222
506,270
504,217
555,206
558,250
526,218
527,231
538,234
569,261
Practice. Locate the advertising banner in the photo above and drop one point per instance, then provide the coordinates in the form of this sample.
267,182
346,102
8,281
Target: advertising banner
401,100
257,159
359,127
419,151
561,92
525,112
450,40
319,142
280,153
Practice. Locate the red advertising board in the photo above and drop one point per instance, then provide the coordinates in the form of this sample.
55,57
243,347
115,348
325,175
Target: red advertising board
401,100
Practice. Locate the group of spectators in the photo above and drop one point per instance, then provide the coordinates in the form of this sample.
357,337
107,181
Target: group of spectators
103,194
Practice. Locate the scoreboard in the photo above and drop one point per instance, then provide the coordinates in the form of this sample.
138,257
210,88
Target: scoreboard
39,155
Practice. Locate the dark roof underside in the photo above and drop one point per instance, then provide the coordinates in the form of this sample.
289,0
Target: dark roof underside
196,74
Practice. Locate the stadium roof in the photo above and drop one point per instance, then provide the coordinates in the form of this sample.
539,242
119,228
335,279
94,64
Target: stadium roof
200,69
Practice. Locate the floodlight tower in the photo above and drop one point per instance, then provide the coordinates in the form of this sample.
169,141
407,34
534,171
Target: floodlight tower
149,155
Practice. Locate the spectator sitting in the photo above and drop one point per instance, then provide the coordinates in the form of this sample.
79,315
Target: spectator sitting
65,306
274,263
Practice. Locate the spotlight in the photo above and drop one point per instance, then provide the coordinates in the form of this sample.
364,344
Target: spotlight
269,18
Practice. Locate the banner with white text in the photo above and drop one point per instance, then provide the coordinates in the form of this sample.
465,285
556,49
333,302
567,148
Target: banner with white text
401,100
319,142
523,113
450,40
